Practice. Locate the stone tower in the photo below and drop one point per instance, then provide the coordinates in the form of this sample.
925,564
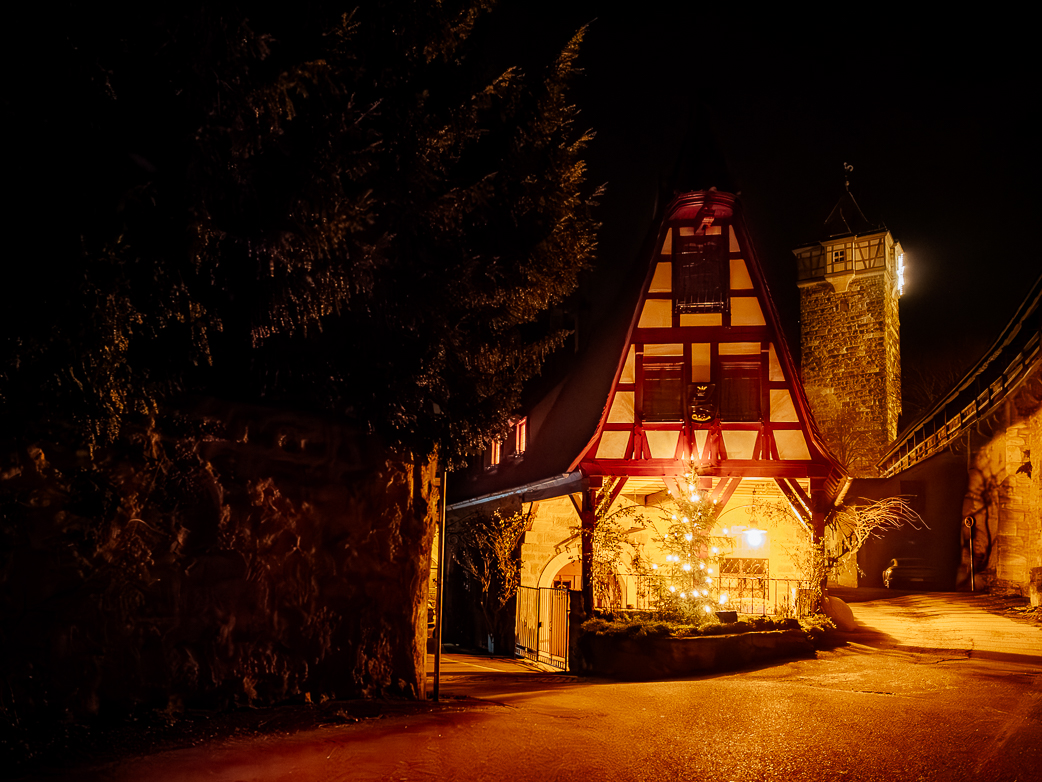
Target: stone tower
850,282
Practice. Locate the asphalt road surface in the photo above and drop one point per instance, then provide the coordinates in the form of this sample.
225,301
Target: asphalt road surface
855,713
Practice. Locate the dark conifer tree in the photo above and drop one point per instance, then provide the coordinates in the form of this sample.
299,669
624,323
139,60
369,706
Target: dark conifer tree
356,213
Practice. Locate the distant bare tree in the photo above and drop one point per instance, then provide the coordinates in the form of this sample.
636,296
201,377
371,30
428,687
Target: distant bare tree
853,525
926,377
485,547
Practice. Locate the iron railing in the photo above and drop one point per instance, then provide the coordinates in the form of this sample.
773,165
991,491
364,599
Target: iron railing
749,595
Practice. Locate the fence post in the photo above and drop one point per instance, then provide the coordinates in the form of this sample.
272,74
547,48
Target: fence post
576,616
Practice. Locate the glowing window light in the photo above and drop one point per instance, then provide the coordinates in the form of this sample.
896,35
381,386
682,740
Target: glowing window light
900,273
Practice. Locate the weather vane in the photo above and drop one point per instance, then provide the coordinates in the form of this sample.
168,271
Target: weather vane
848,169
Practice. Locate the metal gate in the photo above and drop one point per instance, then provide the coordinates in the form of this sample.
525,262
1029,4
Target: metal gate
542,625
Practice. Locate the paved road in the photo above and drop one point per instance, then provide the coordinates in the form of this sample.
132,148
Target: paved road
864,712
855,713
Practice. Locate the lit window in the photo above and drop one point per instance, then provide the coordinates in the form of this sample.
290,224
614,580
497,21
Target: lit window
701,269
739,391
663,392
494,453
521,437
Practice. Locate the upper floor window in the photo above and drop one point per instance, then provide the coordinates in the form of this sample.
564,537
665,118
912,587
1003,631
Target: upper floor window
701,269
663,392
495,453
740,390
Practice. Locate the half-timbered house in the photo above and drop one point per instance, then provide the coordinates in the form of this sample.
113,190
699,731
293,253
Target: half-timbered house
690,391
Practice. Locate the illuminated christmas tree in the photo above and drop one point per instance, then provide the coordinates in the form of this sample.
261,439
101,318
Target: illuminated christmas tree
688,582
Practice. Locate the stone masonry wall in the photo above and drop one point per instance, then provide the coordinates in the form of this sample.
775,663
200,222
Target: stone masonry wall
1005,499
851,366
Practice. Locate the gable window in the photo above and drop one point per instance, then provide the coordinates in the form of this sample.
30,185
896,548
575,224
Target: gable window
739,390
520,437
701,269
663,392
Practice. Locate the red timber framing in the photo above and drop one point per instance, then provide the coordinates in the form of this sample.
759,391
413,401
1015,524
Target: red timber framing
705,379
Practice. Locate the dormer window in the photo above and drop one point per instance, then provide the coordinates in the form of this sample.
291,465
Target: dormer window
520,437
701,269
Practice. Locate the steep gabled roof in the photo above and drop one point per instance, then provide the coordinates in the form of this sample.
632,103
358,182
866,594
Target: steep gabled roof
568,428
785,443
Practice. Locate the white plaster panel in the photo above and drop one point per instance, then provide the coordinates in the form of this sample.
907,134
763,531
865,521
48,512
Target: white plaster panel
740,279
657,313
700,441
622,408
613,445
699,361
663,445
739,445
671,349
739,348
791,445
782,408
775,370
629,372
663,279
745,311
702,319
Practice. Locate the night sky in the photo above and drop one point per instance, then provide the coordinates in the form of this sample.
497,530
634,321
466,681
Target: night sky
937,119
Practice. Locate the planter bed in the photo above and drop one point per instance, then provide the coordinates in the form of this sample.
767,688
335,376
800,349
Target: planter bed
663,657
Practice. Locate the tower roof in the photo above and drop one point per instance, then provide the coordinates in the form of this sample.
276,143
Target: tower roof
846,219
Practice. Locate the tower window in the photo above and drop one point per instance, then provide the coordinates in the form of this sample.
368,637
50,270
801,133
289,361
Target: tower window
701,270
663,392
740,391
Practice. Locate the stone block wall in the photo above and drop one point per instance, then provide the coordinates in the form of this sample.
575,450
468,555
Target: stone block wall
1005,499
851,366
551,542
